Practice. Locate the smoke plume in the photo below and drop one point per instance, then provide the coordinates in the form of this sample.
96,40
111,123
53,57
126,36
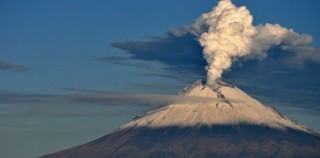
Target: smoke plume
227,33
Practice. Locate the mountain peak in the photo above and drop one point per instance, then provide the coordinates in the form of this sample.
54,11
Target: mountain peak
222,122
224,104
200,89
200,83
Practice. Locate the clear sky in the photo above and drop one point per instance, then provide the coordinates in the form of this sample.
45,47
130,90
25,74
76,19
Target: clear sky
53,50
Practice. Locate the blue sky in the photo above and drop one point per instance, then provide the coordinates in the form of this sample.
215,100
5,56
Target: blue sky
49,49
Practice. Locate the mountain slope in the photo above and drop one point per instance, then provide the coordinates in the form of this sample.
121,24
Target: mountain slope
220,121
222,105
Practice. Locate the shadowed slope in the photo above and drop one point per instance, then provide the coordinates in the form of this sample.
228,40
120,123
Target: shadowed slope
201,142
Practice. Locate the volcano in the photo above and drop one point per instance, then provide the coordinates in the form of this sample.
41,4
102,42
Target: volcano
227,123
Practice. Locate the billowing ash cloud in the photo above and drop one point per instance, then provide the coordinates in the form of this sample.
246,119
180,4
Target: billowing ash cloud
272,48
227,33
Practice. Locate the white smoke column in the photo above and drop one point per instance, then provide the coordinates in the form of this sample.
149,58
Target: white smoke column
229,36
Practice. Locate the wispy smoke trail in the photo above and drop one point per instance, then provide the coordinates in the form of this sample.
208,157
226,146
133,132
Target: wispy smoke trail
270,35
227,33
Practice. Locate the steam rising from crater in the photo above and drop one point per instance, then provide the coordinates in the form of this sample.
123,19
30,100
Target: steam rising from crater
229,35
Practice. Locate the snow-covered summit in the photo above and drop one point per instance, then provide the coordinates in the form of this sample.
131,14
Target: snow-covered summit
225,105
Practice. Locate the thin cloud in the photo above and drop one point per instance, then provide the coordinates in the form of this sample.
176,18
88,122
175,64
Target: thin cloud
82,90
29,98
156,86
308,101
182,78
279,72
125,61
88,104
296,110
12,67
107,99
